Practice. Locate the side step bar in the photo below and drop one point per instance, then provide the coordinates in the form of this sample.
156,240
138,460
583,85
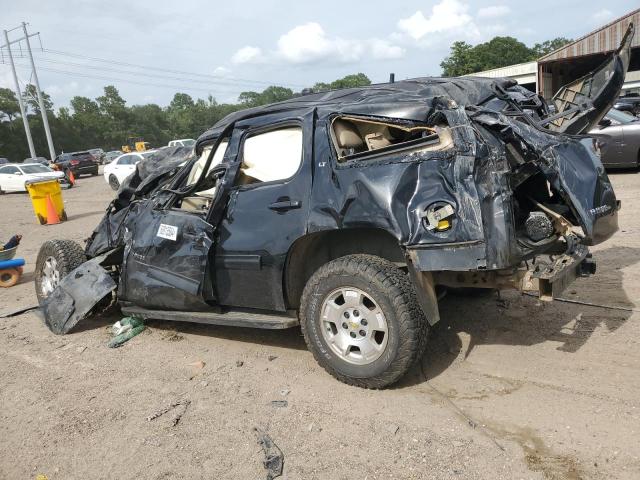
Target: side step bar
232,318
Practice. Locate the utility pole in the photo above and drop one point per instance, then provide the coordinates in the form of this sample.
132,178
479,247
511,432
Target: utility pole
43,110
25,120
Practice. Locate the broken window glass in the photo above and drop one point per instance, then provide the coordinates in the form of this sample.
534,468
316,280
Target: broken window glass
355,137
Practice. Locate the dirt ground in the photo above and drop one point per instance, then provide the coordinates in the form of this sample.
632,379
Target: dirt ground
510,388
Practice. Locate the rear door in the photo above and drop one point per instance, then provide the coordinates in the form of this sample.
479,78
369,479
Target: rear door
267,211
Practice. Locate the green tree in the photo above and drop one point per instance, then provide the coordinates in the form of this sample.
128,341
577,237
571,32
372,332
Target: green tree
460,61
350,81
30,98
548,46
181,101
498,52
270,94
9,107
116,121
179,116
151,123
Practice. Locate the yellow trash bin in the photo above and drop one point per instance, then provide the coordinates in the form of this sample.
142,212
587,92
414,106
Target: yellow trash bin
46,198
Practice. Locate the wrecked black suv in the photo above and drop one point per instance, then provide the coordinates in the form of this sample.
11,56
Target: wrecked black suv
346,212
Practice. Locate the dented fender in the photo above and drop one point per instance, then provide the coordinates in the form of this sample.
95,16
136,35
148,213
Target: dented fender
76,295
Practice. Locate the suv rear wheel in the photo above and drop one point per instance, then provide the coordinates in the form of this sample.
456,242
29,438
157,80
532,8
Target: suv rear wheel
56,259
361,320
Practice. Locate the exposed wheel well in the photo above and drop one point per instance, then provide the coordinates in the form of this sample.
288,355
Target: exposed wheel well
312,251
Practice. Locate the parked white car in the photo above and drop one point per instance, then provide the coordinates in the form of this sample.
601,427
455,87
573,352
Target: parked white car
123,166
183,142
14,175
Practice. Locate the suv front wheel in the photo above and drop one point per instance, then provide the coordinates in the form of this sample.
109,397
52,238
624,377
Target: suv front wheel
361,320
56,259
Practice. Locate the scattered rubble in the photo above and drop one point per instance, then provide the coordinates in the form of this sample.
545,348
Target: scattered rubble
180,407
273,458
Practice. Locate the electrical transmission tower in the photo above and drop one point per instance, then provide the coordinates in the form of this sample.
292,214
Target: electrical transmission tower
43,110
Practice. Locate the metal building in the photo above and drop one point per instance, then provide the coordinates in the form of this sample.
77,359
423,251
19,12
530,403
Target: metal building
579,57
526,74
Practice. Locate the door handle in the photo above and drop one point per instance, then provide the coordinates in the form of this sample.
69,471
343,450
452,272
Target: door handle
285,205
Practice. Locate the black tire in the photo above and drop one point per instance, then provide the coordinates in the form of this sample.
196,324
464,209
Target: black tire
113,182
2,192
391,289
68,256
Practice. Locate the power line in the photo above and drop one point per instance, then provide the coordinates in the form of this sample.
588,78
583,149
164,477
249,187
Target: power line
159,69
139,73
114,79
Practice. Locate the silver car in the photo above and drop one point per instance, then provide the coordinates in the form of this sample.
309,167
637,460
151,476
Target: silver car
618,135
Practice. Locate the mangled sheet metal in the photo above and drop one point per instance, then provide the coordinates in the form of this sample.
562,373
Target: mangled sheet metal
78,293
457,171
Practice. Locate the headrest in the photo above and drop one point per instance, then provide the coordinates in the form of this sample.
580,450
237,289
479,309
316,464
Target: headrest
347,134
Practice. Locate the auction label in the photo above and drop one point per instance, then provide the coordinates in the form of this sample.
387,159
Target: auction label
168,231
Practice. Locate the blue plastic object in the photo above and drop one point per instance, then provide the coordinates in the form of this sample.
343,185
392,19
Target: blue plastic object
16,262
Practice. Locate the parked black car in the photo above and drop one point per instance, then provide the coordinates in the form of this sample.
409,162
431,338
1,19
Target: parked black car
78,162
347,211
4,160
98,154
618,135
628,103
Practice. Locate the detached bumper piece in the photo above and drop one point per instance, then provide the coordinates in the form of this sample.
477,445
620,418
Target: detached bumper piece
545,279
551,279
76,296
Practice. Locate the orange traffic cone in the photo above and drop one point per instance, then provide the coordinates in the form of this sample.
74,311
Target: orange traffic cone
72,178
52,215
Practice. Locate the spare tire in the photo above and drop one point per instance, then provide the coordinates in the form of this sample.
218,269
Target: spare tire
56,259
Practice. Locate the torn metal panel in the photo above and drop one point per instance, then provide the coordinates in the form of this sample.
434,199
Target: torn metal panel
78,293
582,104
166,259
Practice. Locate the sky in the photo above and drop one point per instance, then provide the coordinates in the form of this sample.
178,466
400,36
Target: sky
150,49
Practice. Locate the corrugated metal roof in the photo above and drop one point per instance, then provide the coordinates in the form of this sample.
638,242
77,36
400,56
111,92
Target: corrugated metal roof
604,39
508,71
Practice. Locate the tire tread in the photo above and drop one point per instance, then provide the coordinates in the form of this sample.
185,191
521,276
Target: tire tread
413,327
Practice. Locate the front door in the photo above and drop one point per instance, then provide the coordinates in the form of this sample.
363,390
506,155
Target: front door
266,213
166,259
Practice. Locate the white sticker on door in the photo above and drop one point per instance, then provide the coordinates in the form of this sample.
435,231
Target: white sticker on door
168,231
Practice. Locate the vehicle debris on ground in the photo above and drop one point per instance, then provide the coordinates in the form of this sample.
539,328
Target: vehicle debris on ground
273,457
124,330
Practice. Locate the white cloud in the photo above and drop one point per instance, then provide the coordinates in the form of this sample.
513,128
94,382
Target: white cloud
221,71
247,54
385,50
602,15
309,43
445,16
494,11
71,88
6,80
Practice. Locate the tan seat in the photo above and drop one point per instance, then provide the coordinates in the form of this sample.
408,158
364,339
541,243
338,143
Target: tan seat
347,137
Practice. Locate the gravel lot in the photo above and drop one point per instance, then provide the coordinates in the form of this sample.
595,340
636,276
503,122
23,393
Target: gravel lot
510,388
